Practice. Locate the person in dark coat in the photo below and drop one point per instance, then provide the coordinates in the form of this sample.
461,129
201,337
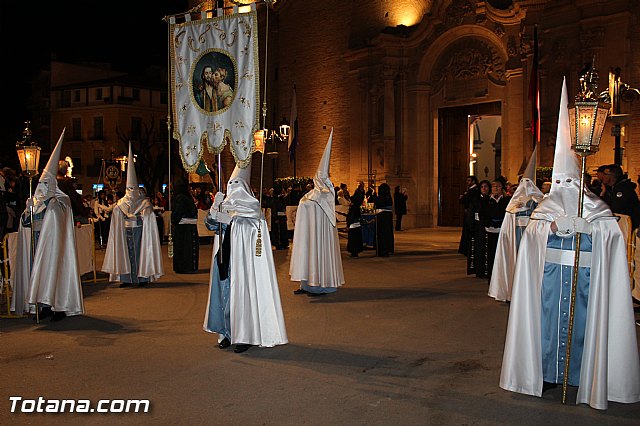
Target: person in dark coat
354,236
399,206
184,218
491,216
472,192
66,185
476,259
620,194
279,234
384,221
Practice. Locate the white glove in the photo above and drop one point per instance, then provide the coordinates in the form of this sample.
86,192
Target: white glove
217,200
567,226
220,217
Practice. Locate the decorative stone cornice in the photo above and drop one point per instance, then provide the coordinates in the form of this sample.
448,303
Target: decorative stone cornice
512,16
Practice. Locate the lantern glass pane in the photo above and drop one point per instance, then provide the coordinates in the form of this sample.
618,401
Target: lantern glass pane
600,122
572,124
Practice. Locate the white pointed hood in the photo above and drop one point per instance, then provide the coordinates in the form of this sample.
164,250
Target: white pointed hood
134,200
132,178
240,200
564,195
527,189
48,184
323,191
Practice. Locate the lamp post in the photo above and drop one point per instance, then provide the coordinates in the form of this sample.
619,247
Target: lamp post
29,156
619,91
587,117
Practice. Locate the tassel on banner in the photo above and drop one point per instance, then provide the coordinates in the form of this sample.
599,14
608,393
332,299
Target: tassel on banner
259,243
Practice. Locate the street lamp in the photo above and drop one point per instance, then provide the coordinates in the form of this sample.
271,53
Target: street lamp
284,128
29,156
587,118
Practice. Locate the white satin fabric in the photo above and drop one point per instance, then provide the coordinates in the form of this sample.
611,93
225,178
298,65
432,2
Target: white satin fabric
315,256
256,316
610,369
504,264
54,278
116,259
526,191
323,194
256,312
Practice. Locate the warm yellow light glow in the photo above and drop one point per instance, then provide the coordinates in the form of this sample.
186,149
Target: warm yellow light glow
29,157
408,16
258,140
244,9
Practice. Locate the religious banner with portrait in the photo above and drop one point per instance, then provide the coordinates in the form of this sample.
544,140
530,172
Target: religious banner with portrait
112,174
214,85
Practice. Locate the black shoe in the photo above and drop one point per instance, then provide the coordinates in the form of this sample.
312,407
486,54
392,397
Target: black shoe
224,344
241,347
548,386
354,254
58,316
300,291
46,312
316,294
124,285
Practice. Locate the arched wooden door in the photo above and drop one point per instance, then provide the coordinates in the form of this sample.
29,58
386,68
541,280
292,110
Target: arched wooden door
453,157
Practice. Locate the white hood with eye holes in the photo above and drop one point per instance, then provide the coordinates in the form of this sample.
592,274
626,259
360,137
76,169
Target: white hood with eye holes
564,195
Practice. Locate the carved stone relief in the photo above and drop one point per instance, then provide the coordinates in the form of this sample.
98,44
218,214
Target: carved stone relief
469,59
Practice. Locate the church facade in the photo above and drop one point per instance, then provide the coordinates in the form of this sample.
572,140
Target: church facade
422,93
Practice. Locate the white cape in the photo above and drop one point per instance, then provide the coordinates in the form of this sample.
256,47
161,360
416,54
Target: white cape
504,264
610,369
54,278
315,256
116,259
256,312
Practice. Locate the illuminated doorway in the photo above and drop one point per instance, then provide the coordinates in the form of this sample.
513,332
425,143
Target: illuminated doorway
456,145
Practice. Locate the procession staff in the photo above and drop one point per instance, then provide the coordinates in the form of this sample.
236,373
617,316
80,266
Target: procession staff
604,352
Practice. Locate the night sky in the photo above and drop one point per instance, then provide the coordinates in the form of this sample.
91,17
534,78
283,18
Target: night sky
131,35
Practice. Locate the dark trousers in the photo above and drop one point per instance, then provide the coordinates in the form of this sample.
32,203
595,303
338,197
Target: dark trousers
399,222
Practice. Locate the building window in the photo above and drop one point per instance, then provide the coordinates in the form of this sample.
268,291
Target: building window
76,96
98,128
136,128
76,129
66,99
99,93
135,94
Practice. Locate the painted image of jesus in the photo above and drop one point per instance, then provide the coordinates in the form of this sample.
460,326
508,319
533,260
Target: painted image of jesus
213,91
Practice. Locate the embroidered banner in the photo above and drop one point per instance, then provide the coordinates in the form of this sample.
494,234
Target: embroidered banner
215,86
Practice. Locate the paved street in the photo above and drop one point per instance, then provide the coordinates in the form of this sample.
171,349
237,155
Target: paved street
408,340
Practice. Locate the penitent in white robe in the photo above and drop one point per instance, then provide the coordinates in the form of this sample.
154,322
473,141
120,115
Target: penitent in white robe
116,259
524,200
54,278
610,369
315,257
253,302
